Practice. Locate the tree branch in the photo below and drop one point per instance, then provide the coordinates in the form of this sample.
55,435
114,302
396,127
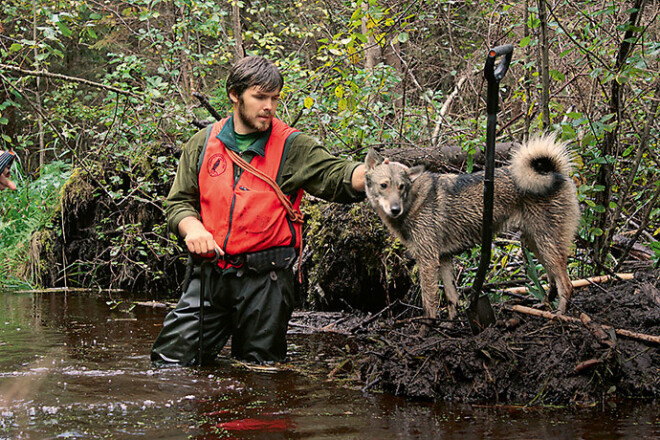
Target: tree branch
46,74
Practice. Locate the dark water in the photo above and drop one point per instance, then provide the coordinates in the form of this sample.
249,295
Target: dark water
76,366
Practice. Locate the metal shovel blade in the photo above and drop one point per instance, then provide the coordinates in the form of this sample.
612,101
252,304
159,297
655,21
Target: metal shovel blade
480,314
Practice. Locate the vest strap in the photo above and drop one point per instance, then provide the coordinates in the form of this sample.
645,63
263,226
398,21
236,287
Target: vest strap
293,214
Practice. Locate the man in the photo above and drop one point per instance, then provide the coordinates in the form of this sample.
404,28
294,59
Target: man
217,206
4,179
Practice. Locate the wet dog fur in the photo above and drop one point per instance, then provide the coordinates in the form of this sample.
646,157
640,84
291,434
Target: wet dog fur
437,216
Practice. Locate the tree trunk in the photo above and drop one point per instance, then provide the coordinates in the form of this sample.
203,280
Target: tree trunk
641,152
37,94
238,32
528,76
545,76
186,68
373,53
610,140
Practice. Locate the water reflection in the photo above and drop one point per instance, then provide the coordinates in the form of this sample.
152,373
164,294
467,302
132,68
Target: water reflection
77,366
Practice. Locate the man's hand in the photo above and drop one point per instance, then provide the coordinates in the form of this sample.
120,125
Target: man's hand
5,182
198,240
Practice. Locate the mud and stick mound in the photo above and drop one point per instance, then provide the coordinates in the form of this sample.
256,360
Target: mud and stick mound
523,359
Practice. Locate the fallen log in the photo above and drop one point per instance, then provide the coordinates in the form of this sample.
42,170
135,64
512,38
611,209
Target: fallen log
152,304
70,290
579,283
311,328
571,320
452,156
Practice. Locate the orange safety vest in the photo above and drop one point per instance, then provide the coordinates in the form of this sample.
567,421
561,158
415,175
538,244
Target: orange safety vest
245,215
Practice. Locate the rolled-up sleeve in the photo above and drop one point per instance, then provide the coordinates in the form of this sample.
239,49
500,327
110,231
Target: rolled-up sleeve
310,166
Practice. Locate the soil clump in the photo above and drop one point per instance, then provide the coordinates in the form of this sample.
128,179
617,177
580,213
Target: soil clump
522,360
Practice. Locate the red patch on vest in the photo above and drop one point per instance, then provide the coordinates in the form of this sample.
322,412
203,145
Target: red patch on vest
217,165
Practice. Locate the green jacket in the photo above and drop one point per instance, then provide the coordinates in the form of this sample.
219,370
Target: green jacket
308,165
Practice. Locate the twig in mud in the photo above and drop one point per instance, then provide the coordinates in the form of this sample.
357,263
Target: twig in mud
518,295
371,318
586,364
597,330
423,319
339,367
335,323
569,319
420,369
580,283
370,384
325,329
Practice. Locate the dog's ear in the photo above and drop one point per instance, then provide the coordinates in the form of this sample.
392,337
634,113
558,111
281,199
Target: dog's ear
373,159
415,172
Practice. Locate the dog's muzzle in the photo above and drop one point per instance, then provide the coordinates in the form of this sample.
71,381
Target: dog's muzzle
395,211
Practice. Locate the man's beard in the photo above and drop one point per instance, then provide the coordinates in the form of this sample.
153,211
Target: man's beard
253,123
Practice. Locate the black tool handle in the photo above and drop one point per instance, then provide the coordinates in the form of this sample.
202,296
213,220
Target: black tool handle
493,76
490,72
211,257
204,260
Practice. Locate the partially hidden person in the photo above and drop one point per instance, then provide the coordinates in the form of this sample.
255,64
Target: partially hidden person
5,173
237,192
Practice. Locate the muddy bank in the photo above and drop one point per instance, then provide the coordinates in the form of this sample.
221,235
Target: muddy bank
523,360
109,230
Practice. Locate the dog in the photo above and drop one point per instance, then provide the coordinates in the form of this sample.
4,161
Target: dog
437,216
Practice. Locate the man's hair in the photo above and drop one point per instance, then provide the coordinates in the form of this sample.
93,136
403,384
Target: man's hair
254,71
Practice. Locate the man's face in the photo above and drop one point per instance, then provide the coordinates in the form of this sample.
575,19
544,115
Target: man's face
254,110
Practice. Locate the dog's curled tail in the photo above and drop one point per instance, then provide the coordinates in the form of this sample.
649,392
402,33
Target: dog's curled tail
541,165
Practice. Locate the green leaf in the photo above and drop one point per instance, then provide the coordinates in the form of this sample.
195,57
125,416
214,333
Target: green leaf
403,37
64,29
557,75
363,38
525,41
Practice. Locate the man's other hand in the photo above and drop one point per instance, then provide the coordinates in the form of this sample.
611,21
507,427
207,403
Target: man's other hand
5,182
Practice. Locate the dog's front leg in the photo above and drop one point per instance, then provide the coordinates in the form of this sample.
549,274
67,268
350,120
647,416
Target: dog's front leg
451,294
428,274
